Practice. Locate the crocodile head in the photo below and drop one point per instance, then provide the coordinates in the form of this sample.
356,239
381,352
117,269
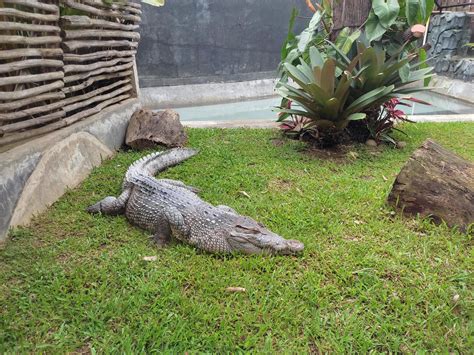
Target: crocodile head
250,237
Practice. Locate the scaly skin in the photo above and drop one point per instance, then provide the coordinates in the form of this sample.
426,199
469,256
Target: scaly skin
169,208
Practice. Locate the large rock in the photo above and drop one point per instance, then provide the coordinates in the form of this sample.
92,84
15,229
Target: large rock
436,183
148,129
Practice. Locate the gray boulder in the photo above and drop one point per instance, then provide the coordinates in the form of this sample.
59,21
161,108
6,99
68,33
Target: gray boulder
147,129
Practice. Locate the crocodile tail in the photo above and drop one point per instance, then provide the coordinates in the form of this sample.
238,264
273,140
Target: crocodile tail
154,163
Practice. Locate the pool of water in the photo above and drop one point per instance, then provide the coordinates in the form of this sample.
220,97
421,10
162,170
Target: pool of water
261,109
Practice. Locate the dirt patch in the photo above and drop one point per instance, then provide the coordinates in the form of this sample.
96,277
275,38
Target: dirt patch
280,185
339,154
277,142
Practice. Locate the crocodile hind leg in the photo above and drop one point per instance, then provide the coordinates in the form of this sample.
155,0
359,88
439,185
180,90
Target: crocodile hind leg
180,184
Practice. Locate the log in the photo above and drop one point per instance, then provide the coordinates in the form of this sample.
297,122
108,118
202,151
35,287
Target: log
34,4
83,114
70,79
78,68
15,105
12,116
21,94
31,52
19,26
73,34
97,98
90,81
6,11
438,184
13,138
30,63
30,41
12,127
98,12
34,78
97,55
114,6
73,45
84,21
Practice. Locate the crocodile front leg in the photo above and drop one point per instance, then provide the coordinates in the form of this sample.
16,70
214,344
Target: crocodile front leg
177,225
162,236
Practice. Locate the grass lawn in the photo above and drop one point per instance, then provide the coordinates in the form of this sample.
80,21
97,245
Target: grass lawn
368,280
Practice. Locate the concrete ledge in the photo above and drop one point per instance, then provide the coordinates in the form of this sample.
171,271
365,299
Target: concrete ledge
205,94
231,124
62,166
58,160
456,89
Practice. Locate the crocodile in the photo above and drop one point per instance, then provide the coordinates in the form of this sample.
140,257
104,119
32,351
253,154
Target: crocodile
169,208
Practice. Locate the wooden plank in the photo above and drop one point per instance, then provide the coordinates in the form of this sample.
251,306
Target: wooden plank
75,68
115,6
17,126
73,34
21,94
12,116
15,105
70,79
33,78
97,55
34,4
6,11
12,138
73,45
84,21
106,13
97,98
31,52
20,26
81,115
30,41
90,81
30,63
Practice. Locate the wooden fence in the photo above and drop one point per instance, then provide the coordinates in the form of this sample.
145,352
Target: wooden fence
454,5
62,61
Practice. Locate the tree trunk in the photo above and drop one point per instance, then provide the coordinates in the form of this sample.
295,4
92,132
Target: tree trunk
350,13
438,184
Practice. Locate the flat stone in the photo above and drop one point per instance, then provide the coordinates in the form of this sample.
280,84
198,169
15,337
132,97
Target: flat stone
62,166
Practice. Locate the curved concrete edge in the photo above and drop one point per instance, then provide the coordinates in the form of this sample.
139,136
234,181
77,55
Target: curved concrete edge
231,124
62,166
17,164
205,94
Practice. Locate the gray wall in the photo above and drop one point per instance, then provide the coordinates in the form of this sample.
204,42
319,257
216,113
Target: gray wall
448,34
197,41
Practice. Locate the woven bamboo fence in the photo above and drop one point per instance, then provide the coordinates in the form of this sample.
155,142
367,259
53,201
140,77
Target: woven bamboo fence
62,61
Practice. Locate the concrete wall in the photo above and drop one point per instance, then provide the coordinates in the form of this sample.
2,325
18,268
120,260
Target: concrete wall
448,34
199,41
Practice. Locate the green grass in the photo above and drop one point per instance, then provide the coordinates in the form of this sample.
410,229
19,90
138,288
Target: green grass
368,280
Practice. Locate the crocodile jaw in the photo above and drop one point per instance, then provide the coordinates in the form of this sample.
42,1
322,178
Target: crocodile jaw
250,237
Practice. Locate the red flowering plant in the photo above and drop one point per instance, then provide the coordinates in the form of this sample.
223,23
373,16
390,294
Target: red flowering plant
381,123
295,126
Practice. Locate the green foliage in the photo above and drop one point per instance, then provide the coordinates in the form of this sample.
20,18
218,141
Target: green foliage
368,282
332,98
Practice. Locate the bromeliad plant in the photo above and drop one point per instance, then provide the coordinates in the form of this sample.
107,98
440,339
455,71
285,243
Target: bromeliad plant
381,123
333,90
